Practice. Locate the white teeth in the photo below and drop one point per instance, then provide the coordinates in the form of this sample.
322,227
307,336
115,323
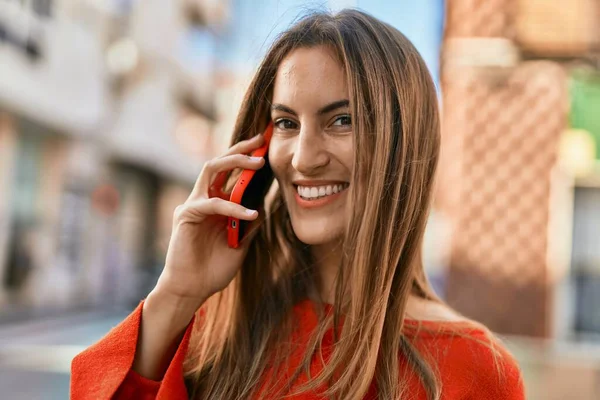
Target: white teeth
314,192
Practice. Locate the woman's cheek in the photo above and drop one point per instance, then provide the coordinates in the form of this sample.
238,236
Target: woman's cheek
278,157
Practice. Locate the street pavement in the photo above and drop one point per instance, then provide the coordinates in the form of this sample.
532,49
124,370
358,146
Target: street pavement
35,356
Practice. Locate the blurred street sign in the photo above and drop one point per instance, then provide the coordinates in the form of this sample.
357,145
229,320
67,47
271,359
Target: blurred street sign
105,199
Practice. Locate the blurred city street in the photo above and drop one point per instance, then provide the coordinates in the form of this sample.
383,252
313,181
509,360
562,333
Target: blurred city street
35,356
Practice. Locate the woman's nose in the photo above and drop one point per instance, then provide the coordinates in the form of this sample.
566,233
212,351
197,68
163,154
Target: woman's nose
310,153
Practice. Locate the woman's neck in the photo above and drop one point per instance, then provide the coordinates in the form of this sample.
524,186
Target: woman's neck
327,259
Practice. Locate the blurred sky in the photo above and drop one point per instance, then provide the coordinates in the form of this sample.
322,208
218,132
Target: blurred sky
254,25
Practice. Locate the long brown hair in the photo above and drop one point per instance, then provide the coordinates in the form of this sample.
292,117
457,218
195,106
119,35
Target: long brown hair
244,329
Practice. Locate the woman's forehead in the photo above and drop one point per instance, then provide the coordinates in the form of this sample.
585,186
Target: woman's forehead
310,73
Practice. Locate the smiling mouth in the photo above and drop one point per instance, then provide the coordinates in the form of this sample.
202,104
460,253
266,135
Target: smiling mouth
319,192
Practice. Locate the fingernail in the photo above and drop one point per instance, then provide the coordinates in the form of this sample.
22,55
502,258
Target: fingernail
250,212
256,158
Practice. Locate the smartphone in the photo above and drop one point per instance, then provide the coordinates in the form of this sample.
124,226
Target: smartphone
249,190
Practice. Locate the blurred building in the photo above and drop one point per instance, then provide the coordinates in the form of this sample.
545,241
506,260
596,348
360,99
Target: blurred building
106,116
519,180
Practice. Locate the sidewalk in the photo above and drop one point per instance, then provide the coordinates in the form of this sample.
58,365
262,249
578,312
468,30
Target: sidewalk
35,355
51,343
558,370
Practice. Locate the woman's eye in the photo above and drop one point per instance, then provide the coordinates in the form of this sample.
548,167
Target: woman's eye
285,124
344,120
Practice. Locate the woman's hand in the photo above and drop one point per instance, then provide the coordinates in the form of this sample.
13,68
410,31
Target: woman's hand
199,262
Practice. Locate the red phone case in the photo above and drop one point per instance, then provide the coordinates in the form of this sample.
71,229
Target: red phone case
216,189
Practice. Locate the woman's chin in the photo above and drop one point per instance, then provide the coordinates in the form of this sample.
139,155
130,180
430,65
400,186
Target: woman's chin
315,234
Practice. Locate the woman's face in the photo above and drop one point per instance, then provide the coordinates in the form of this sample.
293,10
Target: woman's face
311,152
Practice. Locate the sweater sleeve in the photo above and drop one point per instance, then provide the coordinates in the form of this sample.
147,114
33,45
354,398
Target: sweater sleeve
103,371
136,386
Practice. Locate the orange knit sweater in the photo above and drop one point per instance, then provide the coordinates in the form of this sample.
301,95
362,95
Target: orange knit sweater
466,365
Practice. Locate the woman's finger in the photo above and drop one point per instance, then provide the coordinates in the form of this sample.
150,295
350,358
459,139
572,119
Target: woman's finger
195,211
226,163
246,146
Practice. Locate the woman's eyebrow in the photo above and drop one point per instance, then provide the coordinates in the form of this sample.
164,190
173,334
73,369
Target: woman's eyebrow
334,106
323,110
285,109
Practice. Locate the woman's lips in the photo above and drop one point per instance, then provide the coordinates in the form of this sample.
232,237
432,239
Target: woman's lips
319,202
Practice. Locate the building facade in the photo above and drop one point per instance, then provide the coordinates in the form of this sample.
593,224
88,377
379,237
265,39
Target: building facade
105,122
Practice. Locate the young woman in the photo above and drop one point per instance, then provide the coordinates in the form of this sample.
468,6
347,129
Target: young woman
328,298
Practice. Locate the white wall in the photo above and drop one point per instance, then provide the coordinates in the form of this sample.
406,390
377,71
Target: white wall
66,87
